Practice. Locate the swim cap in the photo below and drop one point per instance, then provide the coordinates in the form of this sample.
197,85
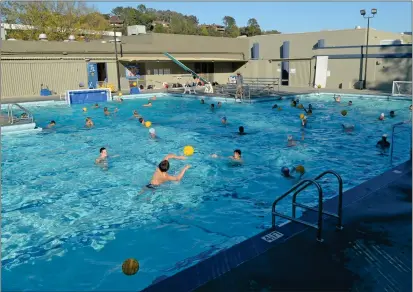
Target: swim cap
343,113
224,118
152,130
289,137
285,170
385,135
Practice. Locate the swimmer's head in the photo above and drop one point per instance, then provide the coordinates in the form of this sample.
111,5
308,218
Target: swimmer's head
350,102
105,109
202,101
121,99
310,106
141,120
152,130
212,105
241,129
103,152
392,114
275,106
289,137
164,166
381,116
384,137
219,103
53,123
96,104
410,107
224,120
293,103
237,154
135,111
285,171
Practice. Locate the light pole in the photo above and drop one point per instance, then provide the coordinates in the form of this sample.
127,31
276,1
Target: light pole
116,22
363,13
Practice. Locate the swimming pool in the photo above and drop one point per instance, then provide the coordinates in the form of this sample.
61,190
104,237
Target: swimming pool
68,225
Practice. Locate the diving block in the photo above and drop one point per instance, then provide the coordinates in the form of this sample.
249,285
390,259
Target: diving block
209,88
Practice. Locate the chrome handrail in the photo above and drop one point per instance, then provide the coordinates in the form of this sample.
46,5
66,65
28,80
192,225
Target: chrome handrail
392,137
11,117
319,225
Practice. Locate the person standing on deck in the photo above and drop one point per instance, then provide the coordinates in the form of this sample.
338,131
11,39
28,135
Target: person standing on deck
239,80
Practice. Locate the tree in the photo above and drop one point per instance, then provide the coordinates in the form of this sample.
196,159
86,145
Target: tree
253,28
231,28
57,19
159,28
273,31
203,31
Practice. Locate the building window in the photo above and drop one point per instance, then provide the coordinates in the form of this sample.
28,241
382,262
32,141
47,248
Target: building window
160,72
166,71
148,72
155,72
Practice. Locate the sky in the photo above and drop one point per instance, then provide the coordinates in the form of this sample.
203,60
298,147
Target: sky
289,17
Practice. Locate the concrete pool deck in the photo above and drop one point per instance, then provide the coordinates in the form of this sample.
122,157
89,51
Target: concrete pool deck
284,91
372,253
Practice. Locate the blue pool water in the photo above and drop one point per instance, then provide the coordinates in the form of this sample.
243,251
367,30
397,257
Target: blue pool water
68,225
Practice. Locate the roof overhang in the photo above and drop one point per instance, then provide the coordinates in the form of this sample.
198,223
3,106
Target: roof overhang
164,58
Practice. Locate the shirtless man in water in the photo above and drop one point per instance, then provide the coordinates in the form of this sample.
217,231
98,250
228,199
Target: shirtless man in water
161,174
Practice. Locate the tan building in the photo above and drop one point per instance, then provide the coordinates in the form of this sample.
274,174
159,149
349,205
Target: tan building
292,57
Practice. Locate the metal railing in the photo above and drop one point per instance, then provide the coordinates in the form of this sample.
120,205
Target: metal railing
263,84
405,123
298,188
12,119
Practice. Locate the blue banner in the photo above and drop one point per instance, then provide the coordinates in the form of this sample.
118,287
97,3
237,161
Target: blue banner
92,75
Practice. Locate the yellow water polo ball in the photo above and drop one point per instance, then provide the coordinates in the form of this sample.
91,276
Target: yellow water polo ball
130,267
344,113
300,106
301,116
188,150
134,83
300,169
84,109
148,124
120,94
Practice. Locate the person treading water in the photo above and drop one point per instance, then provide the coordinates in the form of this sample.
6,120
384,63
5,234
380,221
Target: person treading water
135,115
102,160
212,106
309,111
51,124
236,157
149,104
241,131
96,105
337,99
89,122
383,143
392,114
152,134
275,106
350,103
106,111
142,121
161,174
285,171
202,101
381,117
290,141
224,120
348,127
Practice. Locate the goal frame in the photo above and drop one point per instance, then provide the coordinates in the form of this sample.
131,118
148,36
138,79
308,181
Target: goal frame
394,87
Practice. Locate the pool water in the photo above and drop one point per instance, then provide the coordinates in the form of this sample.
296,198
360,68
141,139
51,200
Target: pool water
68,224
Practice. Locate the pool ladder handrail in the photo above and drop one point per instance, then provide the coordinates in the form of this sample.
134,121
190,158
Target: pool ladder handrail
298,188
408,122
30,116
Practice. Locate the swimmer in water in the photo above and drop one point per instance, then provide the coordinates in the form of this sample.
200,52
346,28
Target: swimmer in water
103,157
161,175
304,121
96,105
293,103
135,115
212,106
219,104
350,103
381,118
202,101
290,141
149,104
153,97
51,124
152,133
348,128
275,106
410,107
392,114
235,157
120,100
142,121
241,131
337,99
89,123
106,111
383,143
224,120
310,109
285,171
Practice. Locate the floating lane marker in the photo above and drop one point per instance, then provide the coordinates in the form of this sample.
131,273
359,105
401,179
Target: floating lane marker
273,236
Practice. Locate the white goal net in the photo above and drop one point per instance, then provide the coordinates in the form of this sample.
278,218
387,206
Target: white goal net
402,88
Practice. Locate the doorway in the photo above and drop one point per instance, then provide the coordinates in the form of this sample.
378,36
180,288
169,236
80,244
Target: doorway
102,73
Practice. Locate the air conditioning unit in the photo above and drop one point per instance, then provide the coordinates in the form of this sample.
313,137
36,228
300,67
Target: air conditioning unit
136,30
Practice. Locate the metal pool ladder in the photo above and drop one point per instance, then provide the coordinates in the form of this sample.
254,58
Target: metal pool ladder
298,188
402,130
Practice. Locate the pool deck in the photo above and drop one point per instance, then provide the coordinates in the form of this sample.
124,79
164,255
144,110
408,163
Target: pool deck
372,253
284,91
